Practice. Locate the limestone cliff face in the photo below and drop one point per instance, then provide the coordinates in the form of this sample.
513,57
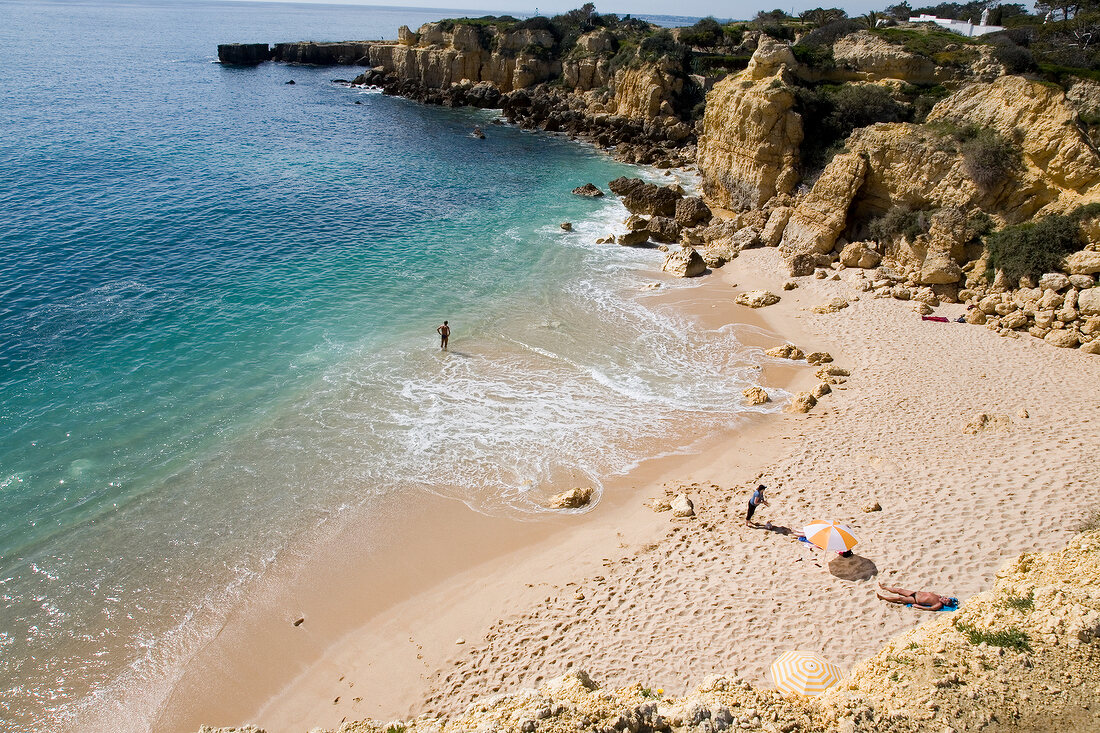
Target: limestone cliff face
919,167
870,57
748,151
646,92
437,57
1062,162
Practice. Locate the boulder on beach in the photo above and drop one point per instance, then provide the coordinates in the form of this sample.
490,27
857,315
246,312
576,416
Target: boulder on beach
786,351
757,298
755,395
834,305
802,402
589,189
682,506
572,499
684,262
817,358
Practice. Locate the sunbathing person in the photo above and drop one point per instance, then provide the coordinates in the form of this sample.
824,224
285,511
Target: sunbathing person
918,598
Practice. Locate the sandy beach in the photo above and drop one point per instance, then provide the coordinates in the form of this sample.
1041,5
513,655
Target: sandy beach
632,595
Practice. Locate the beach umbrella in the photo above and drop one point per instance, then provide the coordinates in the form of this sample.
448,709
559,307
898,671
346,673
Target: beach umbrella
830,535
804,673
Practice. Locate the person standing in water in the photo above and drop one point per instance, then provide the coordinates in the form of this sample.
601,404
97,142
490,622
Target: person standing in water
444,332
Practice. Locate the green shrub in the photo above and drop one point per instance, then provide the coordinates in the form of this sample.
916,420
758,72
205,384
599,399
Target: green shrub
924,99
988,157
899,221
1035,247
704,34
1021,603
831,112
923,42
816,57
708,64
662,45
1063,75
1011,638
829,33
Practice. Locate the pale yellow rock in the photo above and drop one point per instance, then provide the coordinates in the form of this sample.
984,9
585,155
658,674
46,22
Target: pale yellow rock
755,395
817,222
871,57
1088,302
748,150
1083,263
1062,338
682,506
786,351
757,298
821,390
572,498
834,305
1054,148
816,358
802,402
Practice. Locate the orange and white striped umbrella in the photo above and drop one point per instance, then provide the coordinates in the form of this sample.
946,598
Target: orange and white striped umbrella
830,535
804,673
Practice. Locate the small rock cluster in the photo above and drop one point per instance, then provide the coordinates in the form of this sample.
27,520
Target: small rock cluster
827,375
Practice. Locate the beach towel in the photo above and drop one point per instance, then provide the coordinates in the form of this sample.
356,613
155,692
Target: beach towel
937,319
945,608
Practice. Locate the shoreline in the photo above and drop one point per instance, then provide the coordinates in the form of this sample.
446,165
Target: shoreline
950,515
261,644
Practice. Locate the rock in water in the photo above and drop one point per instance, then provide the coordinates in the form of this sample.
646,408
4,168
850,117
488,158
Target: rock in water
685,262
589,190
291,81
755,395
640,197
682,506
567,226
572,499
243,54
757,298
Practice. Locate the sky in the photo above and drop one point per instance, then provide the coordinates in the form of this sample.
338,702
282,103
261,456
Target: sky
743,9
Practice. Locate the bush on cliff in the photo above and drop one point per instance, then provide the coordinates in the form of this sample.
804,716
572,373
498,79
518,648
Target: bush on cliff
1033,248
897,222
662,45
704,34
831,112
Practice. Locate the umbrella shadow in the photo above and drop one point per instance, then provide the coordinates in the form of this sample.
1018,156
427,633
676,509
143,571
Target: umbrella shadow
853,568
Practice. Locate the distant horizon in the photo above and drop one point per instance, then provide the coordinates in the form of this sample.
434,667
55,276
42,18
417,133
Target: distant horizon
687,8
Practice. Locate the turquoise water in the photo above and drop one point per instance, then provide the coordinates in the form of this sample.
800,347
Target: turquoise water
218,301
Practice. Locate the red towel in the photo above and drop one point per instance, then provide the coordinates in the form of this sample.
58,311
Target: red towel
937,319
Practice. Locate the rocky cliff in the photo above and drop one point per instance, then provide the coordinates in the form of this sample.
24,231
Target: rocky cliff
1024,656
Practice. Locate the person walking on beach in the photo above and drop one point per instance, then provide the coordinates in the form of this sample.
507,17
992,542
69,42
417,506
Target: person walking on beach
756,500
444,332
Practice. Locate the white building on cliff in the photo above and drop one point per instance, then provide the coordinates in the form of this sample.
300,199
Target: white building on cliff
961,27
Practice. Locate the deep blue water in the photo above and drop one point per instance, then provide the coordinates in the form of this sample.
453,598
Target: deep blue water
218,301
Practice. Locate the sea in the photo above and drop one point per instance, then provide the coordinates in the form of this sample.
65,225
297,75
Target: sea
219,295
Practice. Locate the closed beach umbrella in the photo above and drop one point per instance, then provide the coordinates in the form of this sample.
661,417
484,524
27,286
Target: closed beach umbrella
804,673
830,535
